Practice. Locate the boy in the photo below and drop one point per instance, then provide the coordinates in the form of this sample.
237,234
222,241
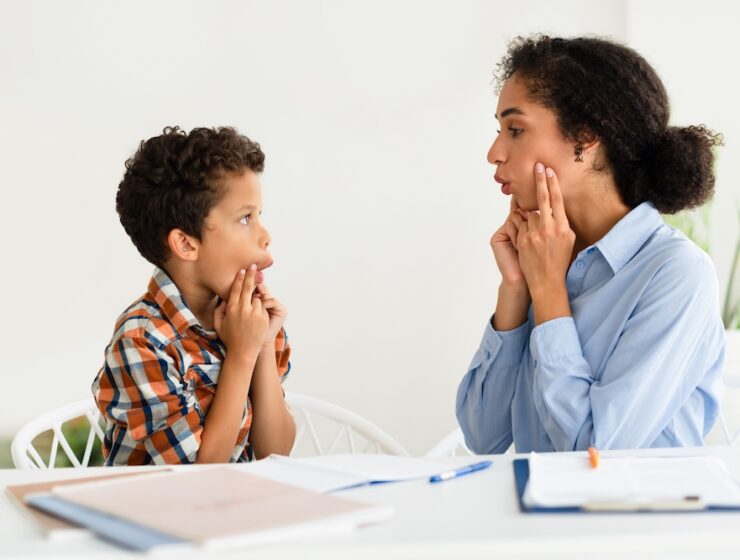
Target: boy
194,368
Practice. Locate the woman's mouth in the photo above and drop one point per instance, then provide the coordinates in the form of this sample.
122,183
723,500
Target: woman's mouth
505,185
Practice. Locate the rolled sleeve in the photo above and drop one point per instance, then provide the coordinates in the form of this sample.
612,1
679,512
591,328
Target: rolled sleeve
144,394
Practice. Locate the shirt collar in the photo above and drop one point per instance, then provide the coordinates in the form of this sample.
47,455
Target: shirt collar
169,299
628,235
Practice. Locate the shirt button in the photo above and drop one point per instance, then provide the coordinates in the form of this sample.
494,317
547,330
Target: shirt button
591,250
580,264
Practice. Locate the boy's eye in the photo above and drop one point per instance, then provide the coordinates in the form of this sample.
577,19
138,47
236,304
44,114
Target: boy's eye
515,131
244,220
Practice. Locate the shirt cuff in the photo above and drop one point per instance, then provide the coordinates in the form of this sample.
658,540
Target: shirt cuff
505,346
554,340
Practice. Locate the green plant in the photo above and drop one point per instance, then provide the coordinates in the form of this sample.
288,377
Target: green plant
76,432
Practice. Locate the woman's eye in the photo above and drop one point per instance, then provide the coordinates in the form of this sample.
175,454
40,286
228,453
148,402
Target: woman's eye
515,131
244,220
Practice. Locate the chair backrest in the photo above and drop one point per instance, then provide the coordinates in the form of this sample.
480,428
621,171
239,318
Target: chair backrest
315,420
324,428
26,456
451,445
728,423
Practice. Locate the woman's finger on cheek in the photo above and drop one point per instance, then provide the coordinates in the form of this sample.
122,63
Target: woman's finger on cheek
556,195
543,194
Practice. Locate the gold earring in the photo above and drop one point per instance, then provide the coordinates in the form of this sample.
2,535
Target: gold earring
579,153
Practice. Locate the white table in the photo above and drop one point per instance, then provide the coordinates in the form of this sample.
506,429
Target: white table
475,516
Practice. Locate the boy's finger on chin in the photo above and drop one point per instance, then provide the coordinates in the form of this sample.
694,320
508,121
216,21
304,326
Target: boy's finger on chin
236,288
249,284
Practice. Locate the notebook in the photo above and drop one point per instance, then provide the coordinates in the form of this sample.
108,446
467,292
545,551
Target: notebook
213,507
567,483
48,525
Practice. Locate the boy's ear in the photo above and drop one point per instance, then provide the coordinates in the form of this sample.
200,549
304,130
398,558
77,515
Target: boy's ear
182,245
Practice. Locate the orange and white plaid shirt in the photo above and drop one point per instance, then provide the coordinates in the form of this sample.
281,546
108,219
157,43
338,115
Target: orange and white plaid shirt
159,378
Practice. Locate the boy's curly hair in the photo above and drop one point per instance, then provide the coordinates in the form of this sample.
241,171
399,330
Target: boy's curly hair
173,181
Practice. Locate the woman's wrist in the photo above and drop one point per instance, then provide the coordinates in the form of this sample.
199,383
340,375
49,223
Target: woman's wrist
550,302
512,307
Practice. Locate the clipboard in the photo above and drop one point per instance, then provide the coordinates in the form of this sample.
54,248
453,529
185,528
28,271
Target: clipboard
521,477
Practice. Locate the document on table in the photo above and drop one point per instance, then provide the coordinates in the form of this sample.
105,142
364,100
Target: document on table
569,481
329,473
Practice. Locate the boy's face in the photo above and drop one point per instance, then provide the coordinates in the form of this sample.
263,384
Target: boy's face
233,236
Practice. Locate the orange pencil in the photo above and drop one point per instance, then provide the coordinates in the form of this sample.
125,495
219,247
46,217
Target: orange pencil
593,457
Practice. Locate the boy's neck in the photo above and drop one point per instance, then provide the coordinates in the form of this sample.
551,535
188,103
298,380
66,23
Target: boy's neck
201,301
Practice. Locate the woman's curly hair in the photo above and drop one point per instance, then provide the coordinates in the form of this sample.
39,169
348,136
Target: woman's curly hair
601,89
173,181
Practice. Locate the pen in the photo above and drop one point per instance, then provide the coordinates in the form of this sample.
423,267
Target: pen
467,469
593,457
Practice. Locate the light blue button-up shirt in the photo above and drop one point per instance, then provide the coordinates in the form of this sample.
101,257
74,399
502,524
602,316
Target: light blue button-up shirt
637,365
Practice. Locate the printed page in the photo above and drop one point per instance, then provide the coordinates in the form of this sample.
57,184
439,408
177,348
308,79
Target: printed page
569,480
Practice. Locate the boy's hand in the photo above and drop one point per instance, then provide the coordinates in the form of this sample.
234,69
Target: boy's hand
242,321
277,312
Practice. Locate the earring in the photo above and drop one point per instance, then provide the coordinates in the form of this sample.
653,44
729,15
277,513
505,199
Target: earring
579,153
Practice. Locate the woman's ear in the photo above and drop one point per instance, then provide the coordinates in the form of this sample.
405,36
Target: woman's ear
586,144
183,246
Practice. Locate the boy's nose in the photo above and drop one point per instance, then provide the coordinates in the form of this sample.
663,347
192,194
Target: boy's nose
266,239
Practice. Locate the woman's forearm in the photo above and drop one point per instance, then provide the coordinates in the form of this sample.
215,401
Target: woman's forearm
511,307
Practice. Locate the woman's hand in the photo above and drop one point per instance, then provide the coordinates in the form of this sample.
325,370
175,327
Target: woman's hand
504,245
513,295
545,244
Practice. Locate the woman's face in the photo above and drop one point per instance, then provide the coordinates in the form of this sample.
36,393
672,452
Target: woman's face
529,133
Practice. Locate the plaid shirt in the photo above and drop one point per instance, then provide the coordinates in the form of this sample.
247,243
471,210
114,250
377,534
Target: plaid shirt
159,378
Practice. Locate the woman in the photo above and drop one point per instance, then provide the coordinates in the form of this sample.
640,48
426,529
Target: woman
607,329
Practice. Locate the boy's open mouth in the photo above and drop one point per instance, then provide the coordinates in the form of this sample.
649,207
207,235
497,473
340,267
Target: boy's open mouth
260,277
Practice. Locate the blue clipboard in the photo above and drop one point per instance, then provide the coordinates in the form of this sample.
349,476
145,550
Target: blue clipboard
521,477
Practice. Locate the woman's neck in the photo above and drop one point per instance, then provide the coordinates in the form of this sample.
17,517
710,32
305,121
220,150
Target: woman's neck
593,211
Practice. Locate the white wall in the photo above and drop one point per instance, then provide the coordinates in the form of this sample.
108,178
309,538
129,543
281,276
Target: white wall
694,49
375,116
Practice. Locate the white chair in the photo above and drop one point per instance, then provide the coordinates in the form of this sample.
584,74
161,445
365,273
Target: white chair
314,419
26,456
340,430
730,407
451,445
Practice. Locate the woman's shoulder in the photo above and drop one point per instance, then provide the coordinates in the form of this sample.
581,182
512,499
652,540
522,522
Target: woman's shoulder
670,253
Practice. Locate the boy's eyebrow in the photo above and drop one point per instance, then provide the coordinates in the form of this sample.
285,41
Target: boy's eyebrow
510,111
245,207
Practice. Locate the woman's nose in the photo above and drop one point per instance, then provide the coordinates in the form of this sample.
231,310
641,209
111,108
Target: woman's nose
495,155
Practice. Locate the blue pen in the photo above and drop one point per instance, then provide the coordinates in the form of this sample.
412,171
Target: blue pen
467,469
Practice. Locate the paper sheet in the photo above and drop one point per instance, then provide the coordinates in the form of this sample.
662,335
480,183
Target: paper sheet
329,473
568,480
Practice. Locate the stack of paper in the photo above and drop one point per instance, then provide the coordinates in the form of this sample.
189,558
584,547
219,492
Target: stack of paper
211,507
561,481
